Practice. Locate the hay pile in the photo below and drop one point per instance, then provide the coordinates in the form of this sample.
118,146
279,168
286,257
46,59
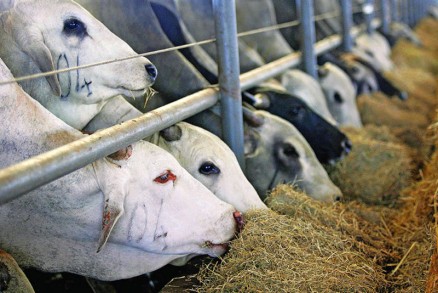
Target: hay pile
376,170
406,54
276,253
414,229
307,246
378,109
416,73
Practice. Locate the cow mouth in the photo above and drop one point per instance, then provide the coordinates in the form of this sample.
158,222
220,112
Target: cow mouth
216,250
132,92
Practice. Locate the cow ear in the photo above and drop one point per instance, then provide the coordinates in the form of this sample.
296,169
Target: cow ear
113,181
32,43
171,133
251,142
322,71
122,154
252,118
258,101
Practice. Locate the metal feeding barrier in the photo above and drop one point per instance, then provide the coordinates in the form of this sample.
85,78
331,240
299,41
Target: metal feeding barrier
32,173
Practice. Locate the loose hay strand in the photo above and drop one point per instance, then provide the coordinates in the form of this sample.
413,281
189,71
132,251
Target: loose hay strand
403,259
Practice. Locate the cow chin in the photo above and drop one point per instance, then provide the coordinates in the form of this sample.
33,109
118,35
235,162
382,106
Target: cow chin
181,261
215,250
134,93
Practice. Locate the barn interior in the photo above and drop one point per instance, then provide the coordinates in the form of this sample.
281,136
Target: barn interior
382,236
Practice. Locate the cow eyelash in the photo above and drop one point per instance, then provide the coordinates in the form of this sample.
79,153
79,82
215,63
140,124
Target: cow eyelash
165,177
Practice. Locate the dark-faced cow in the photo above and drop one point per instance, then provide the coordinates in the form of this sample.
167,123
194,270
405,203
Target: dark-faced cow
328,143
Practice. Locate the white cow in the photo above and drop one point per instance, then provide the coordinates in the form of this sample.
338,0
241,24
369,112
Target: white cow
140,212
211,161
401,30
201,153
43,35
375,49
117,110
293,155
340,95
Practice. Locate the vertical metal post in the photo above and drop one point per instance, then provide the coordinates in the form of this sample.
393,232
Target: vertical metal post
307,27
412,11
404,12
229,83
417,11
368,12
347,22
386,16
394,11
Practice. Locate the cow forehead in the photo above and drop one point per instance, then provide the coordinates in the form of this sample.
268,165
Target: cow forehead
276,129
44,13
202,142
151,159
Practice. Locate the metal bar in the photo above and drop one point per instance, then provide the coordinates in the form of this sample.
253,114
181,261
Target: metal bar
228,63
32,173
386,16
347,23
39,170
368,12
404,13
411,13
394,10
308,38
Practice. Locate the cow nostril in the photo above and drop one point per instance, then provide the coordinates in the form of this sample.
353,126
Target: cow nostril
346,145
152,71
403,96
238,217
338,198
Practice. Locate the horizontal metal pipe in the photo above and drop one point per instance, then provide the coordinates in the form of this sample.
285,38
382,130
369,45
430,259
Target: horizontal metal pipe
32,173
39,170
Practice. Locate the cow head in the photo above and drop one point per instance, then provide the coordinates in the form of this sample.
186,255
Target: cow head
211,161
375,50
363,78
305,87
44,35
124,215
340,95
275,152
327,141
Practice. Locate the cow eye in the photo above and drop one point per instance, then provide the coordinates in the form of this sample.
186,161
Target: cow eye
290,151
338,98
165,177
75,27
294,111
369,53
354,69
209,168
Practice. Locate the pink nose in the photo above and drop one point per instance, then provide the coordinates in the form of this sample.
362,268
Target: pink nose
238,217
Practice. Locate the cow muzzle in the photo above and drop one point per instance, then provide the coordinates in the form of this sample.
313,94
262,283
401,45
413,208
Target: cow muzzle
240,222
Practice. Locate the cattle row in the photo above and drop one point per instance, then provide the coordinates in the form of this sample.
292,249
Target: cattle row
181,192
